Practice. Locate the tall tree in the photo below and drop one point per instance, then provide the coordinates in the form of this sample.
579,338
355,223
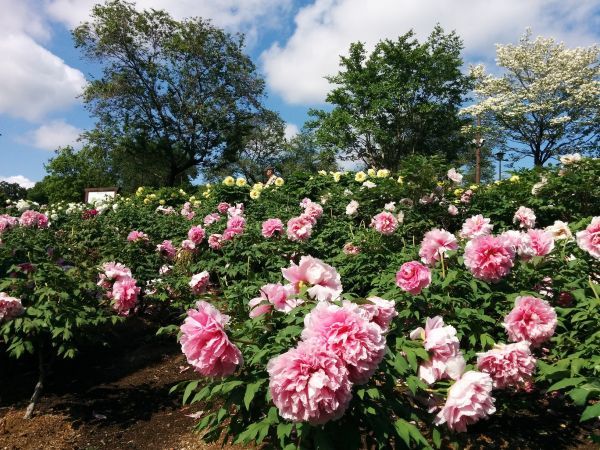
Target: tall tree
401,99
547,101
186,86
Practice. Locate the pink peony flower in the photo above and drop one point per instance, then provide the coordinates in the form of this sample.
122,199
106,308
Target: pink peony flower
525,217
188,245
199,282
237,210
114,271
235,226
324,281
223,207
517,242
167,249
299,228
532,319
445,358
7,222
466,196
346,331
455,176
542,242
589,239
436,242
33,219
309,384
272,226
350,249
215,241
205,343
488,258
452,210
508,365
196,234
124,295
137,236
274,295
10,307
187,212
380,312
413,277
384,222
312,210
469,400
209,219
476,226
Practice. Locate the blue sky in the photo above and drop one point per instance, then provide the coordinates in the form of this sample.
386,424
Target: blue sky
293,43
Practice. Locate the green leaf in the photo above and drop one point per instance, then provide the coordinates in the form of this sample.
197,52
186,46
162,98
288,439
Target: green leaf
590,412
251,390
566,382
188,390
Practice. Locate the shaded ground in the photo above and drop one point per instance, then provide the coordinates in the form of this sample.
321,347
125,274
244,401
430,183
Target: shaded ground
118,399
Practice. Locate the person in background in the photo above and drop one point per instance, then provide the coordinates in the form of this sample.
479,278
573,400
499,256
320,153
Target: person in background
270,176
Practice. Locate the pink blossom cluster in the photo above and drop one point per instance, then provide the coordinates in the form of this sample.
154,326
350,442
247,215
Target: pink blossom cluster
272,227
223,207
476,226
350,249
199,282
235,226
137,236
436,242
445,358
321,279
187,211
341,345
205,343
384,222
413,277
211,218
33,219
300,228
589,239
276,295
235,210
509,365
120,286
469,400
167,250
532,319
466,196
215,241
525,217
10,307
488,258
7,222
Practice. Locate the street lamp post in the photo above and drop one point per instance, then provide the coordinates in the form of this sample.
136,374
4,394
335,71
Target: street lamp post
500,158
478,143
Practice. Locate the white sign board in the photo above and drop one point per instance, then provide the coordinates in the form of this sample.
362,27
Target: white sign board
96,196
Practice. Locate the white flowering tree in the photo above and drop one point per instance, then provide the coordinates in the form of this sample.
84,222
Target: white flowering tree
546,101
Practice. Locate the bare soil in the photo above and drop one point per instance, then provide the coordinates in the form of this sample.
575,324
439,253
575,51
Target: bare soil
118,398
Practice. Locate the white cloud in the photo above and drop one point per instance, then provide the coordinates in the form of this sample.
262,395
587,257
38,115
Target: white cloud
33,81
325,29
52,135
236,15
291,130
19,179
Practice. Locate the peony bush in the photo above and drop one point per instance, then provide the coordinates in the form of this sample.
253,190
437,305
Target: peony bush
342,310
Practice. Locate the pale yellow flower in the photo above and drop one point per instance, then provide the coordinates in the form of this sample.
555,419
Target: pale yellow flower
229,181
336,176
258,187
360,176
254,194
146,201
197,203
371,172
192,198
279,181
241,182
383,173
400,180
322,172
458,191
474,187
161,202
514,179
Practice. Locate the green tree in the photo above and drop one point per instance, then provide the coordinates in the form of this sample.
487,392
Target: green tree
11,191
303,153
70,172
184,86
401,99
547,101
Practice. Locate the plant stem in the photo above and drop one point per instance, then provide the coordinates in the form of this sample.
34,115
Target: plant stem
443,266
38,387
244,341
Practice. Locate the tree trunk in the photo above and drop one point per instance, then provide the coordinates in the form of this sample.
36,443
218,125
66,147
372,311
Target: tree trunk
38,387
